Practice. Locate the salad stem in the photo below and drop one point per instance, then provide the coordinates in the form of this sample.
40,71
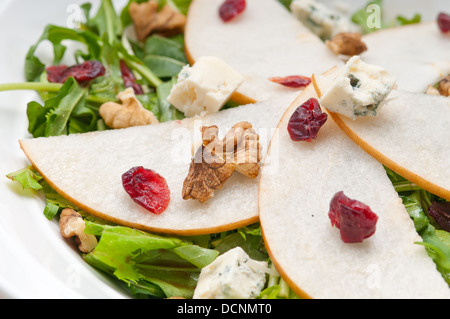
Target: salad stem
146,73
45,87
405,187
284,289
164,268
274,277
34,86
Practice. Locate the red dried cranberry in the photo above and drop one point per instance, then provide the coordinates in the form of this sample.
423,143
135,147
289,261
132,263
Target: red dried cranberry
231,8
57,73
440,212
355,220
86,71
129,79
306,121
147,188
293,81
444,22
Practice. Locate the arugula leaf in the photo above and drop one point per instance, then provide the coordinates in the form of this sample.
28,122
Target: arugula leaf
65,105
276,287
413,205
438,247
416,202
370,18
182,5
417,18
286,3
55,34
400,183
167,111
248,238
27,177
106,22
150,102
165,57
167,47
83,118
111,61
367,17
30,179
52,119
146,261
436,242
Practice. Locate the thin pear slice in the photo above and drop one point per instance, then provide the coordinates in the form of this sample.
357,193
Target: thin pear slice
417,55
264,41
308,252
87,168
409,135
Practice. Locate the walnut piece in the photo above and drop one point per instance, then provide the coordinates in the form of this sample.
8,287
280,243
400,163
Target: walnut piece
207,173
347,43
148,19
71,224
216,160
431,90
129,113
444,86
241,146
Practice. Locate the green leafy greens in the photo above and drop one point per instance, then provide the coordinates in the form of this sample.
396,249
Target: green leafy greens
145,260
370,18
417,201
74,107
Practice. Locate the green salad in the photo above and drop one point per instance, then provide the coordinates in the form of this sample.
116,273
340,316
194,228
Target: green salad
144,264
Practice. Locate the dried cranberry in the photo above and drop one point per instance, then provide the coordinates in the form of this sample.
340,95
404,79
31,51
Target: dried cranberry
355,220
86,71
147,188
129,79
57,73
444,22
306,121
440,212
231,8
293,81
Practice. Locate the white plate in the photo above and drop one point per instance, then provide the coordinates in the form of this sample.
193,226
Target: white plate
35,261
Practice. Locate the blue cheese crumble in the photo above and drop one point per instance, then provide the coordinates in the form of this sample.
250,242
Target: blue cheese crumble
358,90
320,19
204,87
233,275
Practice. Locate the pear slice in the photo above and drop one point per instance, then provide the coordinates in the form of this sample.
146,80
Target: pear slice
409,135
416,54
308,252
87,168
265,41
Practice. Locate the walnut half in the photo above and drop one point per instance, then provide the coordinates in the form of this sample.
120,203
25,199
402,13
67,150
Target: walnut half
444,86
148,19
129,113
71,224
247,150
216,160
207,173
347,43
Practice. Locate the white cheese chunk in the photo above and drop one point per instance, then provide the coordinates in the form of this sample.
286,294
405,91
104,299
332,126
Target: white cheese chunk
320,19
233,275
358,89
204,87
